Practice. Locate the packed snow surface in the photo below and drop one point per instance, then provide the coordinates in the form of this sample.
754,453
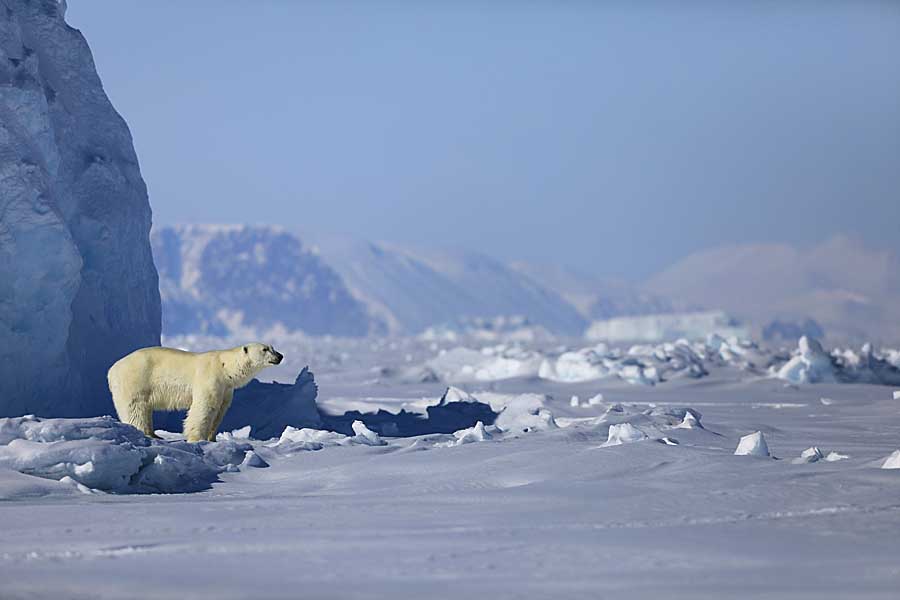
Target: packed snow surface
496,487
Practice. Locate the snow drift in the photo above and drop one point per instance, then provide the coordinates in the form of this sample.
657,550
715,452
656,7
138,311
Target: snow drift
78,288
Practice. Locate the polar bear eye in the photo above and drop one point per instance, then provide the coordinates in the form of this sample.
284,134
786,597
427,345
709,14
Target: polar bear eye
245,349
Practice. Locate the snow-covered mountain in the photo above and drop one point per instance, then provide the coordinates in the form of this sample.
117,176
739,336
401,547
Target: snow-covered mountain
229,279
224,280
78,288
414,289
851,291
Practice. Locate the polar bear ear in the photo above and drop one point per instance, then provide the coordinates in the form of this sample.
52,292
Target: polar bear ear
245,349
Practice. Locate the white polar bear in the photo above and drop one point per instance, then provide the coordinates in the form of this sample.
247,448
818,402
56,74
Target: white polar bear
167,379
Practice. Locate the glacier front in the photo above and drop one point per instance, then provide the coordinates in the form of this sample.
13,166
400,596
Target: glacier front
78,288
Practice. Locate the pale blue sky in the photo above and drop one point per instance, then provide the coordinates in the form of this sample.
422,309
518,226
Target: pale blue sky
615,137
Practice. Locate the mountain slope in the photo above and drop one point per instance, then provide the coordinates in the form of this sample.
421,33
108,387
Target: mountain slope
412,290
849,289
595,298
224,279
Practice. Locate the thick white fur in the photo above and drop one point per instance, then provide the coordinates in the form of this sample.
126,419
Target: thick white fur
167,379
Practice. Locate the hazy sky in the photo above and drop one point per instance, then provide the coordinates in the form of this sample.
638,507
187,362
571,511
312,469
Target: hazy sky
616,137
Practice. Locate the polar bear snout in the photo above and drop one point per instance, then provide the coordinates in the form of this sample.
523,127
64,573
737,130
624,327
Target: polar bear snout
278,357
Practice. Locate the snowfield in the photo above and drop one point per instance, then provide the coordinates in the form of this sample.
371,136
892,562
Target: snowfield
722,479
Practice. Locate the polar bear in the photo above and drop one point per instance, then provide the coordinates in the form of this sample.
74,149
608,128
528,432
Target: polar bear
167,379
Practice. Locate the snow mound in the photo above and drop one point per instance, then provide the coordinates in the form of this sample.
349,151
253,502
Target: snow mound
811,364
892,461
492,363
104,454
624,433
753,444
293,439
641,365
523,413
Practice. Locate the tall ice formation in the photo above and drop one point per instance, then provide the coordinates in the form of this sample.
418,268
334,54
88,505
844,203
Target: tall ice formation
78,288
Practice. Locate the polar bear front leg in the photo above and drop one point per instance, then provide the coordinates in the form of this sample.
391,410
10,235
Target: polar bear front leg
202,414
226,402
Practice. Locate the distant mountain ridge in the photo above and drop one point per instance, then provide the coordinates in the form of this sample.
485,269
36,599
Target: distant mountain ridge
220,280
850,290
224,279
414,289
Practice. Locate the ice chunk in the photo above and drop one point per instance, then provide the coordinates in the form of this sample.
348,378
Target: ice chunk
574,402
896,394
454,394
892,461
366,436
104,454
252,459
691,420
308,439
624,433
811,364
835,456
810,455
467,436
237,434
753,444
595,400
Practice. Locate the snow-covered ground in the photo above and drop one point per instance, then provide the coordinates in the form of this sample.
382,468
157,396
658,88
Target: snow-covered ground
549,488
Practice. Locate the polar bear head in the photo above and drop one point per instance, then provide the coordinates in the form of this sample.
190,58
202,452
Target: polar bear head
241,364
261,356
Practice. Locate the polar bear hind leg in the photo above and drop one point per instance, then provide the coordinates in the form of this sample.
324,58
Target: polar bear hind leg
136,411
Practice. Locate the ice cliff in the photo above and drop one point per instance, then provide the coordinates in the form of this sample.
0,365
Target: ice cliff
78,288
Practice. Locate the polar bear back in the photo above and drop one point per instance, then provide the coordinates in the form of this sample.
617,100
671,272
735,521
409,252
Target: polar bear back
165,377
